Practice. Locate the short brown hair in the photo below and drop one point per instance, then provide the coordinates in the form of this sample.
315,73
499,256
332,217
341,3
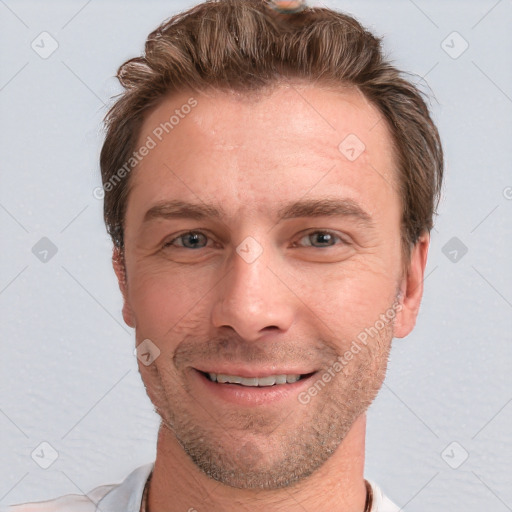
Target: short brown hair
244,45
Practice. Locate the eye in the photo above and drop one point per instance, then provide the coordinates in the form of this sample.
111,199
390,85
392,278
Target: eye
190,240
320,239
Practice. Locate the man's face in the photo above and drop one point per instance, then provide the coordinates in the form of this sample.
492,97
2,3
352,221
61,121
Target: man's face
256,247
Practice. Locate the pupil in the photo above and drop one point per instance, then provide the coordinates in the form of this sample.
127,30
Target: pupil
323,238
193,240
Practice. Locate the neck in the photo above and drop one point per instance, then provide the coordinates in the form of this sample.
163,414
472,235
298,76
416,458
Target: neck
338,485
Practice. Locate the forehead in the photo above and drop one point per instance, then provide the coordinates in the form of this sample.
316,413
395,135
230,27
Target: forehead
256,149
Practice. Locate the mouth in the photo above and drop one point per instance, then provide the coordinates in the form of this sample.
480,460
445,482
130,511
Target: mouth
248,387
264,381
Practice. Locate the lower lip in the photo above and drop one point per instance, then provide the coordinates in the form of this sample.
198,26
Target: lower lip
251,395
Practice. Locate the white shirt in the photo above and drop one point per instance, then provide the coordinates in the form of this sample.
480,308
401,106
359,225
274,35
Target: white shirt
127,497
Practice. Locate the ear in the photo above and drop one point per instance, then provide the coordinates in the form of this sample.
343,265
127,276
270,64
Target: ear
411,288
120,269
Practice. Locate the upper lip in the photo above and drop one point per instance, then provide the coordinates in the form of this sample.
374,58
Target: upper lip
245,371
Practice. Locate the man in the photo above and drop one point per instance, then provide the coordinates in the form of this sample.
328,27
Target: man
270,182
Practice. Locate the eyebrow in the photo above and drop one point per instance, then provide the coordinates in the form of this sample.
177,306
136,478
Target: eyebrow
303,208
327,208
183,210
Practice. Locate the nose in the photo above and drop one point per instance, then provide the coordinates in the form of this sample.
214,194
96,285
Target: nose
252,299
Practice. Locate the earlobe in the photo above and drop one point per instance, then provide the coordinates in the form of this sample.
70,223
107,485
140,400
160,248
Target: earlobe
120,270
411,288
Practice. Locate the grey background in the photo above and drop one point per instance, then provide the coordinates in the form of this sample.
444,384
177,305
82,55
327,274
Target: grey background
68,375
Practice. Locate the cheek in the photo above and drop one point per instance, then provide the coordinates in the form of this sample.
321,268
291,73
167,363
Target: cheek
347,298
169,303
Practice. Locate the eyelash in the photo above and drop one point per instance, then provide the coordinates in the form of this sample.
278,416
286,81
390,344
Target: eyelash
182,235
324,232
306,234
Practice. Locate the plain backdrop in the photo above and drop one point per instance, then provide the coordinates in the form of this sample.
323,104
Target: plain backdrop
439,433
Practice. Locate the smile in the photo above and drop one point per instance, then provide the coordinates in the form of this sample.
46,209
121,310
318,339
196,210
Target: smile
270,380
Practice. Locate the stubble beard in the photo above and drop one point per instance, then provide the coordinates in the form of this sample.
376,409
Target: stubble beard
248,450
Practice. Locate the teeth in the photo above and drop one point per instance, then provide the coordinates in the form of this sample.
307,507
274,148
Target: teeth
266,381
253,381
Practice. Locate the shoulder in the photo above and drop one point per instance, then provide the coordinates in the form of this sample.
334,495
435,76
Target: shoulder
70,502
380,502
112,498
